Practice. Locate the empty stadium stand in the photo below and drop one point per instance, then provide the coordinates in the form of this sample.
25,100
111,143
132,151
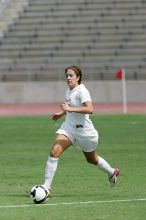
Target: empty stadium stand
100,36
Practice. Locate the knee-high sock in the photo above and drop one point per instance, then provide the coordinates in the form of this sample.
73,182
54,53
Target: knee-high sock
103,165
50,170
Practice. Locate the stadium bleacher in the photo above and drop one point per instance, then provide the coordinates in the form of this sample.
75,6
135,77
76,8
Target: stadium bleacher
101,36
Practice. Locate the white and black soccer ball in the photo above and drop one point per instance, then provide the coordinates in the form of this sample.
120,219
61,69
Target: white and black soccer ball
39,194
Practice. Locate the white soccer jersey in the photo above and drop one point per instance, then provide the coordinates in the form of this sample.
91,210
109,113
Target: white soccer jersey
77,126
76,98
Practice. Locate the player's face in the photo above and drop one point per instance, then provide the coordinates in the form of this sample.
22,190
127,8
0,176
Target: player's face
72,79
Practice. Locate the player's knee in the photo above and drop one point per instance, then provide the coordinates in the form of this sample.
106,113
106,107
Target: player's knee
55,151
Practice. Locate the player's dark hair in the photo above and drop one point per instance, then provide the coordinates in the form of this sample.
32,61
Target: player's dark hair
77,71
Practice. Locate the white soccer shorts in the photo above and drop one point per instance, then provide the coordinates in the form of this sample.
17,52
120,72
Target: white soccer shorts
86,139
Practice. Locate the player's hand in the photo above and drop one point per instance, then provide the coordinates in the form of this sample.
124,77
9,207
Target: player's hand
56,116
66,107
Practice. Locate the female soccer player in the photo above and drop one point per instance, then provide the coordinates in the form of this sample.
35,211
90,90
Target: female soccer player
77,129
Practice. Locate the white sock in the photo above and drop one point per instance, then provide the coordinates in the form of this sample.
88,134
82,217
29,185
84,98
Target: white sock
50,170
103,165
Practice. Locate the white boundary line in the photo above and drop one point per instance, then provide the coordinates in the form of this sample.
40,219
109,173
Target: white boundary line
73,203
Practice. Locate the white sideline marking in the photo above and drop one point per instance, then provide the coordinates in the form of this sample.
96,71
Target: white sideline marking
72,203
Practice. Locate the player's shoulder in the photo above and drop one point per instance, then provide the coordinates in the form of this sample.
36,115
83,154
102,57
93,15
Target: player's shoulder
84,94
82,87
67,90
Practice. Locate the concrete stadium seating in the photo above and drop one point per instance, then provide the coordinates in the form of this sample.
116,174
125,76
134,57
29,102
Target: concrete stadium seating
100,36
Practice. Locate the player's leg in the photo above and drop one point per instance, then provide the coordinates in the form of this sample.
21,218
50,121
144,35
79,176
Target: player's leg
102,164
92,158
60,145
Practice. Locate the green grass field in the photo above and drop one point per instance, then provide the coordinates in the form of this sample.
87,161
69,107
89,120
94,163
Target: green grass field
80,191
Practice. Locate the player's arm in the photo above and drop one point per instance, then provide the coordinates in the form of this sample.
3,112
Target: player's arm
87,108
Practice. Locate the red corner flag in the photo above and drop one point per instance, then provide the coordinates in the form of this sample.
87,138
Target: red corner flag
119,74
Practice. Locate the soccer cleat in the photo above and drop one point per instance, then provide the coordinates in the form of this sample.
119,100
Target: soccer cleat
48,194
47,197
113,178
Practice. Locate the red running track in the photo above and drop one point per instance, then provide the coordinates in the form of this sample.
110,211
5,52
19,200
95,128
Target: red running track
47,109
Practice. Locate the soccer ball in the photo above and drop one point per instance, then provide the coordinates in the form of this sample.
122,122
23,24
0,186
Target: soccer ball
39,194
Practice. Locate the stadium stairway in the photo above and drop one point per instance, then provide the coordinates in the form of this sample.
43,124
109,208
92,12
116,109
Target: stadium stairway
9,10
100,36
